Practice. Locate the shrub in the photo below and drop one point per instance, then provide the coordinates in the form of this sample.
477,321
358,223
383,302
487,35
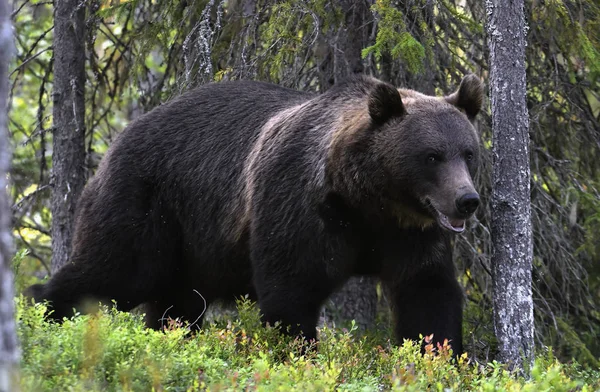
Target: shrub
113,351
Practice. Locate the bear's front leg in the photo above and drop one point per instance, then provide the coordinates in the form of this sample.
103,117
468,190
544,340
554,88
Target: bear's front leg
295,306
428,300
291,291
295,274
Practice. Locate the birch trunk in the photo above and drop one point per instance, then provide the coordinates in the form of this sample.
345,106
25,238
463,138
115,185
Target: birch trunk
9,353
68,148
511,212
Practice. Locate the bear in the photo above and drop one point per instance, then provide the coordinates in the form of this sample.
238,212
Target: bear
249,188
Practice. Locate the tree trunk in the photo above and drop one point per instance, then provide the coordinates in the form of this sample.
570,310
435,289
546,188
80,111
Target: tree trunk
68,154
357,300
511,212
9,354
351,40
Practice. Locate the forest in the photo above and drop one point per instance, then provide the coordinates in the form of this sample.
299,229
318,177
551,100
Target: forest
121,59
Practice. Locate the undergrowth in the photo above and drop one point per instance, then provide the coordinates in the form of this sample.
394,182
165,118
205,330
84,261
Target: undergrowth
113,351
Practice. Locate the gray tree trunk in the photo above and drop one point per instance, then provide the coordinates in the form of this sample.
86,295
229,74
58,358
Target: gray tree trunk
351,39
511,212
357,299
68,148
9,353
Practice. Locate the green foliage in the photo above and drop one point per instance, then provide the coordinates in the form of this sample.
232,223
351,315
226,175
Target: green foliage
113,351
460,15
394,39
29,126
145,46
574,344
578,40
590,202
293,26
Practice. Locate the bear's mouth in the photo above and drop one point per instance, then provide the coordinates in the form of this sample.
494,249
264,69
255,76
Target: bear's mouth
450,224
454,225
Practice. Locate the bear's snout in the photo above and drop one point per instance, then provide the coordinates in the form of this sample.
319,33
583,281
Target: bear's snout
467,203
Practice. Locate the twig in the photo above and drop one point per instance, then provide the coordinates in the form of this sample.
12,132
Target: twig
27,60
15,12
203,311
34,254
35,227
162,318
19,204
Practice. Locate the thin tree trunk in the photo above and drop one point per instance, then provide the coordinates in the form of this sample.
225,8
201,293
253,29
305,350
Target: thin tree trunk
511,212
357,299
9,353
68,154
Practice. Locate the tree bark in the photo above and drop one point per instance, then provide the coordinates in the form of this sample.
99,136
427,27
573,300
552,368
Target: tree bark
357,299
9,353
351,40
68,154
511,212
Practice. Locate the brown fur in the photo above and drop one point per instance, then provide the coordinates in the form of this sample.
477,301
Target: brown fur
249,188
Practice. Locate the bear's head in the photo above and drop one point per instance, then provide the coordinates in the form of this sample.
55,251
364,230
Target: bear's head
414,156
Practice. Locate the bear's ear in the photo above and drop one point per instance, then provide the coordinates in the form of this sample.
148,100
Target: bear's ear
469,96
385,103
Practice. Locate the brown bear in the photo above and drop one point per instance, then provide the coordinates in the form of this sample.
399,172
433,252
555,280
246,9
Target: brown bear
249,188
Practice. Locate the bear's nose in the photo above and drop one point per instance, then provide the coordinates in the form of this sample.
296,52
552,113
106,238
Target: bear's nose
468,203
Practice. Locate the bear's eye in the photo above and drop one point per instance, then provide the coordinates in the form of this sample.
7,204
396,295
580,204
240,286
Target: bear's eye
469,156
433,158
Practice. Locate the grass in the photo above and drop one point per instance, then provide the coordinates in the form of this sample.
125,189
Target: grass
113,351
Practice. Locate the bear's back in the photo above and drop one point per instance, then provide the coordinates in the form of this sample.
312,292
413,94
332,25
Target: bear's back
214,118
187,156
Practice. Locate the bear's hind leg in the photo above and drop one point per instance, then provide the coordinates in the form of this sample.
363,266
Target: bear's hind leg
289,305
129,257
77,287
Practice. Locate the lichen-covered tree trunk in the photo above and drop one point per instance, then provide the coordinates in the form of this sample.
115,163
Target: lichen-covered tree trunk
511,212
9,354
68,149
